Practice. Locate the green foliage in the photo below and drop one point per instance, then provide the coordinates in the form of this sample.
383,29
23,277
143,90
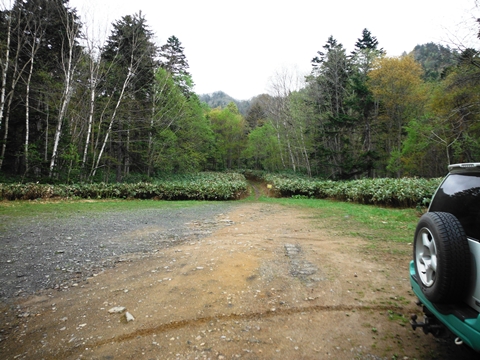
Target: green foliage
403,192
229,129
182,136
397,85
72,159
133,110
414,147
202,186
262,151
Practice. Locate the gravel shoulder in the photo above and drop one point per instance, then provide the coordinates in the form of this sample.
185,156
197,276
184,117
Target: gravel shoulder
219,281
58,251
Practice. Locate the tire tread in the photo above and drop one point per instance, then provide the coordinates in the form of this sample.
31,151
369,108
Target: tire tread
453,258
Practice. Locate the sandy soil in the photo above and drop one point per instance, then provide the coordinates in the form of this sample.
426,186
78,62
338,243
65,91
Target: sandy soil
272,283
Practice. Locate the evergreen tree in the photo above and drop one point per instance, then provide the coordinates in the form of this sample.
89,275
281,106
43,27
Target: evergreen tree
362,102
256,114
174,61
328,93
129,81
366,42
131,42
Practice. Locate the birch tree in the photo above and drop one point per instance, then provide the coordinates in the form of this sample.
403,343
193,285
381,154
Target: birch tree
283,85
35,30
130,54
5,60
69,58
5,66
18,21
95,64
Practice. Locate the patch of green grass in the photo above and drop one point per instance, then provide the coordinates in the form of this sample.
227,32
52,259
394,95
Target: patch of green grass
399,318
369,222
64,208
366,221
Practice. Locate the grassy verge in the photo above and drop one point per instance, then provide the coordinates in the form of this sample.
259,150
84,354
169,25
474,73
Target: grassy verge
62,208
369,222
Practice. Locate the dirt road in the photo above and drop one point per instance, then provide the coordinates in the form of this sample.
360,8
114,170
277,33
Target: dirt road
272,283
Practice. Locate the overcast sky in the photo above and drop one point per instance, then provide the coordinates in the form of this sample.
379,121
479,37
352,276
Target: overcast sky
237,46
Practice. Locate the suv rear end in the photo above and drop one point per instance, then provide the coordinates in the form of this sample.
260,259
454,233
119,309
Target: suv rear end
445,271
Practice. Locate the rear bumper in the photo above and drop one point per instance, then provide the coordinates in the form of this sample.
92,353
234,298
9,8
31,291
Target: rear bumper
464,324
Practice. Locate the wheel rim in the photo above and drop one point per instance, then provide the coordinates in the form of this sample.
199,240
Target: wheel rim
426,257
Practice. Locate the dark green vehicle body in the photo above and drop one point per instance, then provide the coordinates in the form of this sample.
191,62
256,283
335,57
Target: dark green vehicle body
445,270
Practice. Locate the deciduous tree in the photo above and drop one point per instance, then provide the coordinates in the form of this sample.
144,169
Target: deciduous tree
396,83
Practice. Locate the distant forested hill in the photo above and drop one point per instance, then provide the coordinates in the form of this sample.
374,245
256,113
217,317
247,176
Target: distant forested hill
434,59
220,99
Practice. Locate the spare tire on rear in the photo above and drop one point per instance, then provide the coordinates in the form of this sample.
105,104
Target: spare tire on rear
442,257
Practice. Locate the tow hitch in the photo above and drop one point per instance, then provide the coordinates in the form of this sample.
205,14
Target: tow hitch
428,326
430,323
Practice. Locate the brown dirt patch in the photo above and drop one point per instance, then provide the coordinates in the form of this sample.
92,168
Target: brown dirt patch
274,283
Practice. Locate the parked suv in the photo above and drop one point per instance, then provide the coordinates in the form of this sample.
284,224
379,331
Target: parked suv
445,271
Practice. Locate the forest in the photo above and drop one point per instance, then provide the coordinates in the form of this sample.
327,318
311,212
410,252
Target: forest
73,110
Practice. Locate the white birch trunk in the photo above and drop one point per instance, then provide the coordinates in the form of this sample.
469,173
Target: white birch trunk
17,74
150,136
46,133
37,34
68,68
126,169
4,74
27,113
90,121
63,109
112,119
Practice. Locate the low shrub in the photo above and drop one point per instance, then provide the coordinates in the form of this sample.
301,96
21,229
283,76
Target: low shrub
201,186
403,192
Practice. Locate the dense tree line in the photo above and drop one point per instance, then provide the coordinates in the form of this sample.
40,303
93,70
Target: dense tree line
74,110
365,114
71,109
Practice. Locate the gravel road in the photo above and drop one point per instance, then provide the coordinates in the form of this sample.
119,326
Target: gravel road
224,280
35,254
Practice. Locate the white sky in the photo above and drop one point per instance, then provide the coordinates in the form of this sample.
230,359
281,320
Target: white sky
237,46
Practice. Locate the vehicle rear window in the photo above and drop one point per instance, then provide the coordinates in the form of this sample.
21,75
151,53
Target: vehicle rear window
459,194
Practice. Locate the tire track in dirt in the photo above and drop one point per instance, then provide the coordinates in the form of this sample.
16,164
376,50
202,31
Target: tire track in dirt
187,323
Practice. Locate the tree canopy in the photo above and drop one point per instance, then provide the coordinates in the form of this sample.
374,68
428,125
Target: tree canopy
127,110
